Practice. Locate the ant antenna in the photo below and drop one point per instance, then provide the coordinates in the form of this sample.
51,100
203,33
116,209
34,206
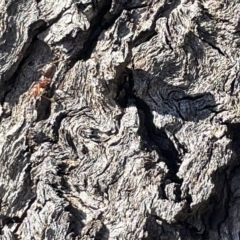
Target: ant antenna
58,60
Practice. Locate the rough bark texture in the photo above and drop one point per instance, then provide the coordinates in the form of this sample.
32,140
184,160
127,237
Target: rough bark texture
141,137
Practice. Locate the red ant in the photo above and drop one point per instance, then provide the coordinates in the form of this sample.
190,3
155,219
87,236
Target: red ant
39,88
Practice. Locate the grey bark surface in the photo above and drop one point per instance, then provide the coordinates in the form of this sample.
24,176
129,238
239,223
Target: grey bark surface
141,136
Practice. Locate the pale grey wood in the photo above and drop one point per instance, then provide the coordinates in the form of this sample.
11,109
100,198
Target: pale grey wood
140,137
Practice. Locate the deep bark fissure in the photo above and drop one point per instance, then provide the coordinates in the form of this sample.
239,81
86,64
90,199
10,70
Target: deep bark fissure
140,138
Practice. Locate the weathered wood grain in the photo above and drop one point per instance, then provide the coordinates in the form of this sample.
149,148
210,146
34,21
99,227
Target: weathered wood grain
140,137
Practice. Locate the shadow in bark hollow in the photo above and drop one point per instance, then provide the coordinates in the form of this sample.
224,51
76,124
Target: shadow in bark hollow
156,139
43,109
151,93
98,24
233,133
78,228
102,234
225,187
167,99
76,220
5,220
193,47
155,231
218,204
216,211
11,36
2,192
209,37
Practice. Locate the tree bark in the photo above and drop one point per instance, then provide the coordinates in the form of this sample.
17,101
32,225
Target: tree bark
120,119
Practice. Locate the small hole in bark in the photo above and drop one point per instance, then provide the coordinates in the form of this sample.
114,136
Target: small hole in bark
43,109
84,149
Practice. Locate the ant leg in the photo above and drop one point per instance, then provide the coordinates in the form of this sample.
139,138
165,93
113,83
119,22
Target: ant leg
55,61
40,70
